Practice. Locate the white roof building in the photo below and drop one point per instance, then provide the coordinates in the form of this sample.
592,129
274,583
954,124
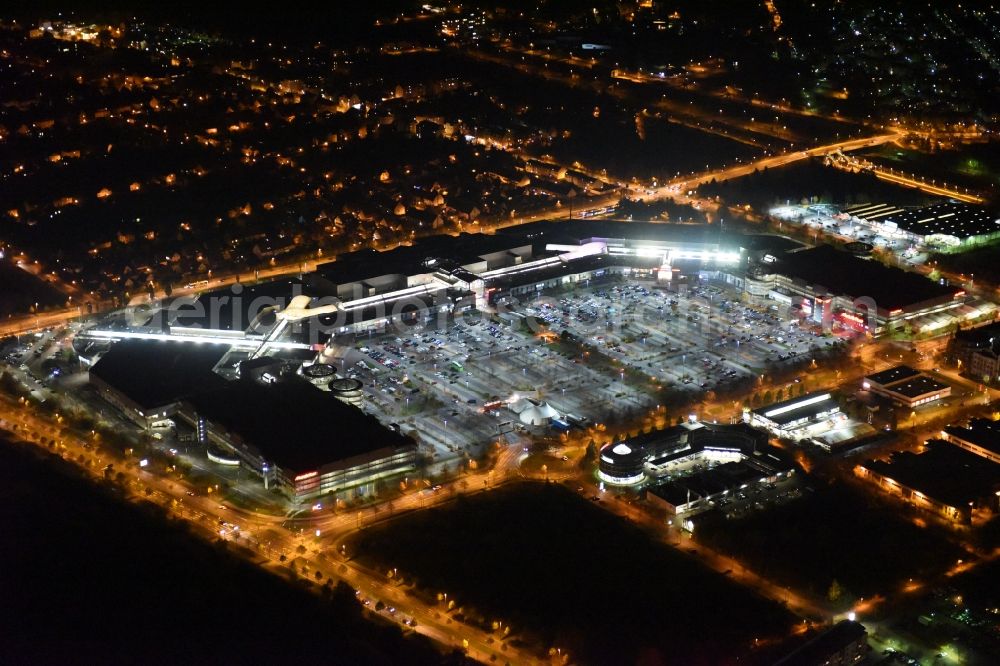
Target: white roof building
538,414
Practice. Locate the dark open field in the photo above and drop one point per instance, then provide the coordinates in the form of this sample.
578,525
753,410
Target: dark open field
663,150
810,180
86,578
982,263
567,573
836,533
19,291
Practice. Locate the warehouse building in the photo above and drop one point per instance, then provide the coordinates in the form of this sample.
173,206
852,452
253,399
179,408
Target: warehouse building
948,225
829,286
981,437
843,644
701,490
441,276
944,479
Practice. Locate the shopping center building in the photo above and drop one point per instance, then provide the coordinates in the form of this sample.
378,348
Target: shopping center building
299,439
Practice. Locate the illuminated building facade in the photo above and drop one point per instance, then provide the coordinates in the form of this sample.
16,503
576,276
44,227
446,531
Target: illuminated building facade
785,418
831,286
300,439
947,480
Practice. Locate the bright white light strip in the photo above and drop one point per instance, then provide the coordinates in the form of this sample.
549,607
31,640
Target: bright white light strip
188,338
530,266
700,255
393,295
197,332
571,252
802,403
722,257
621,480
269,340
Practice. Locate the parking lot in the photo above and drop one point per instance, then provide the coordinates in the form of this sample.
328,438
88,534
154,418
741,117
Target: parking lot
755,498
704,339
829,219
586,353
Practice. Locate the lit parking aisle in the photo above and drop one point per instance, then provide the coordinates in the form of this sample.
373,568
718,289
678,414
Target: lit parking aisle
581,352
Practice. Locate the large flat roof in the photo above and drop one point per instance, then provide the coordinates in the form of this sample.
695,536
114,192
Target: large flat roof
708,482
981,432
413,259
469,248
772,243
873,212
915,387
662,446
404,306
156,373
892,375
555,231
234,308
673,493
949,218
844,274
589,263
944,472
832,641
293,424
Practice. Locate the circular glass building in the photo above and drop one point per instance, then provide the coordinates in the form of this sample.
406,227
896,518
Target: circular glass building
621,464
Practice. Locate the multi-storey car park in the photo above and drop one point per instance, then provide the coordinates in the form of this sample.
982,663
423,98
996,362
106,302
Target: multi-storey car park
454,339
298,437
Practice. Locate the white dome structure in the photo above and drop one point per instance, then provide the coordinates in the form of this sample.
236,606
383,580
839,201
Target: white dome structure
538,415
